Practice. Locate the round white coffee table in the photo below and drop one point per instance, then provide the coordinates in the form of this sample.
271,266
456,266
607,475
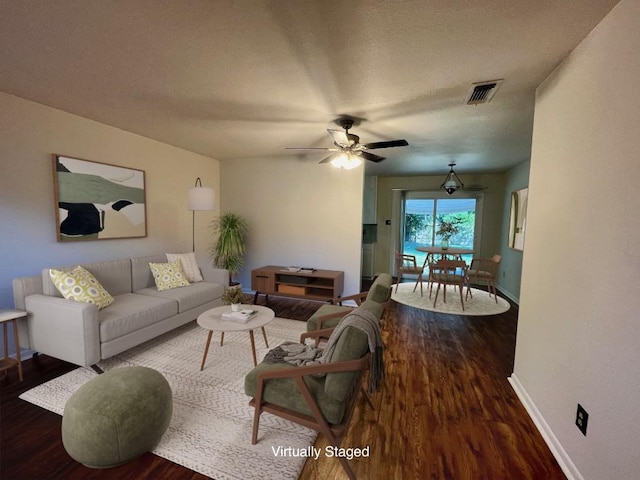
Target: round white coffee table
212,320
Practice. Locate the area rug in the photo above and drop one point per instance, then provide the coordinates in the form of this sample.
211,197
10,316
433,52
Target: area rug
210,431
480,304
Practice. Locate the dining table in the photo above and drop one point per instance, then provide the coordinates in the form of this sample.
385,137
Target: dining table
452,252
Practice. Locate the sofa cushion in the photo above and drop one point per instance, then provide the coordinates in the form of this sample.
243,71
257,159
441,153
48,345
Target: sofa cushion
131,312
79,285
141,276
189,265
113,275
380,290
168,275
285,392
188,297
352,344
312,323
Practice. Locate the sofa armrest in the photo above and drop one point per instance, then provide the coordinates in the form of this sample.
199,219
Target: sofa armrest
64,329
216,275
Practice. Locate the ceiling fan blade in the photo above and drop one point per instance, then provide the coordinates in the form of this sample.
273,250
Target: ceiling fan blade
327,159
372,157
339,137
390,143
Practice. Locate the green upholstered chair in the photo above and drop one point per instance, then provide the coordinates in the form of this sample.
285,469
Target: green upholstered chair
321,397
376,299
117,417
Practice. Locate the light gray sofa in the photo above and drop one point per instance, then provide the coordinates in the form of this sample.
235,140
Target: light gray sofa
80,333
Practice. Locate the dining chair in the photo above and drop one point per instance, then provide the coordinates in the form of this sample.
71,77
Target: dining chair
407,265
483,271
447,272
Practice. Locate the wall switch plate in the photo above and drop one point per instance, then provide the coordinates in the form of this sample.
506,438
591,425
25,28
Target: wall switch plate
582,418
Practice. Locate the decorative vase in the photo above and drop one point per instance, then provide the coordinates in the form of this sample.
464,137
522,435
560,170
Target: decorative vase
236,307
444,244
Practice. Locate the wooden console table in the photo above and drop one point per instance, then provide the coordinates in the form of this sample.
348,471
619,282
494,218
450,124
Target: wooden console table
323,285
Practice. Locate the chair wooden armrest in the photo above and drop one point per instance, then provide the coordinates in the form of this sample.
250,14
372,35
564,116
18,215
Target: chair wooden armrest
295,372
357,297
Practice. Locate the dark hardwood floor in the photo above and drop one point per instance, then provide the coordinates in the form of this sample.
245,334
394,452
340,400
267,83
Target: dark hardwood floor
446,410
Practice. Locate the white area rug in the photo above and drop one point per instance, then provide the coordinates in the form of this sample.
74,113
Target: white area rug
480,304
210,431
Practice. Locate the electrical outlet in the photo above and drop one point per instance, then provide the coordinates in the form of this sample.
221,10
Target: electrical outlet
582,418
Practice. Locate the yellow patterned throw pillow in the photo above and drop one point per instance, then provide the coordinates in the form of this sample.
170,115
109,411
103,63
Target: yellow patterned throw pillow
168,275
80,285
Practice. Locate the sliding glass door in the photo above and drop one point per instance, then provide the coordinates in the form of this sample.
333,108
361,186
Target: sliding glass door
422,214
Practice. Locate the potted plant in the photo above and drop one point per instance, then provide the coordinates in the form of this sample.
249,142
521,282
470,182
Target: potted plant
447,230
228,250
233,296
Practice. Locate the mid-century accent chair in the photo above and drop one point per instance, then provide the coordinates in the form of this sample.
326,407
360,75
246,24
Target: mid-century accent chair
322,396
407,265
483,271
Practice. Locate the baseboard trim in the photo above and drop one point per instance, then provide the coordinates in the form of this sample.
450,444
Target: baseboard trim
508,294
565,462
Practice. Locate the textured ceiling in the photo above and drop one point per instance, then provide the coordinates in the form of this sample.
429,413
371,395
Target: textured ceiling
245,79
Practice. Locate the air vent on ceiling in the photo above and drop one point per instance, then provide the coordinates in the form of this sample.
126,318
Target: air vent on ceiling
482,92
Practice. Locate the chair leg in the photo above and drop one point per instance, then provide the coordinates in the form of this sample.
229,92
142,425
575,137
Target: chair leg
256,424
367,397
437,291
461,300
399,280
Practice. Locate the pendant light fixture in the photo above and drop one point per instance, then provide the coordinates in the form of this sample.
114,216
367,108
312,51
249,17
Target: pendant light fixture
451,182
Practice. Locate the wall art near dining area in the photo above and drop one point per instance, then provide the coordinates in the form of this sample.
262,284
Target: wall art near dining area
96,201
518,218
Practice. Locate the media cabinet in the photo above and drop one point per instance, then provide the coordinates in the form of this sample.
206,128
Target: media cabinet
322,285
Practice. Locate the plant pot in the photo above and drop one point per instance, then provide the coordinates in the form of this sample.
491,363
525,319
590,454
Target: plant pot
236,307
444,244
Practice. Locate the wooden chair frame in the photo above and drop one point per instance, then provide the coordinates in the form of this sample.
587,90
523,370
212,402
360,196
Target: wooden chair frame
490,268
444,272
334,433
402,259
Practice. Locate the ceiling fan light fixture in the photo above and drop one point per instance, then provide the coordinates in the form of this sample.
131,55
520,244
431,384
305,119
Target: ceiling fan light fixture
452,182
346,161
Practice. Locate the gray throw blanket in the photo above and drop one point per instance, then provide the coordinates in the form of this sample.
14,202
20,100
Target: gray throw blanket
299,354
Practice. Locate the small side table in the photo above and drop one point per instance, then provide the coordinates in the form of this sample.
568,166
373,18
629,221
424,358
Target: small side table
10,315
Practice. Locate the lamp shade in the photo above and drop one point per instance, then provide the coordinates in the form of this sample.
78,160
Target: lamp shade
201,198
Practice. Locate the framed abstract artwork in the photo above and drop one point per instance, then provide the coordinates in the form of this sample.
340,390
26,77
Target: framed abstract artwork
97,201
518,218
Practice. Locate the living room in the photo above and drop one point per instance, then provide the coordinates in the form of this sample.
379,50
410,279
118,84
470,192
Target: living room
576,338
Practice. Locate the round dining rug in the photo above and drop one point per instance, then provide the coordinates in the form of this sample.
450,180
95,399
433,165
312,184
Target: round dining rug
480,304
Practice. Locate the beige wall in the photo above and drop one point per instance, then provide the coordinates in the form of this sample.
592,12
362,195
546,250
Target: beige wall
491,219
578,330
300,213
30,133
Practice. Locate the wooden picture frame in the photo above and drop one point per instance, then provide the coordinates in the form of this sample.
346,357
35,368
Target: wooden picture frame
518,218
97,201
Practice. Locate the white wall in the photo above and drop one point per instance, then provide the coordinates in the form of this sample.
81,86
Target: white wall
578,329
30,133
300,213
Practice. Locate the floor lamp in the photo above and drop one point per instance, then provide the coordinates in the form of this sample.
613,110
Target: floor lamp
200,199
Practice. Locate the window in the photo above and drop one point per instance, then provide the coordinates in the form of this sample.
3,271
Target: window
422,214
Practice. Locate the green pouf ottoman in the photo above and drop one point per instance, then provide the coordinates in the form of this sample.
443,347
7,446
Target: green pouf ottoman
117,417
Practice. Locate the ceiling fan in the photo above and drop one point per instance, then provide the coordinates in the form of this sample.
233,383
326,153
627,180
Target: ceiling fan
347,150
